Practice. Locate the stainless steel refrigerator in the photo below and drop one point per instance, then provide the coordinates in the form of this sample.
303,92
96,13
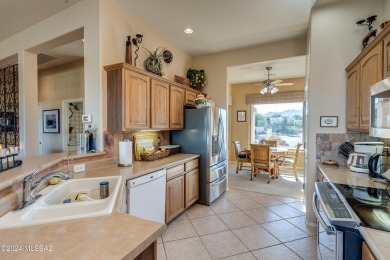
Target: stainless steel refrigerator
204,133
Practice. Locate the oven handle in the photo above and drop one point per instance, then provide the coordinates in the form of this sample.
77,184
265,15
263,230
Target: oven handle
329,229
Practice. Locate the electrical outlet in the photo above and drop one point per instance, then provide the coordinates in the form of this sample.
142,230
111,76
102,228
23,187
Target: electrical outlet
79,167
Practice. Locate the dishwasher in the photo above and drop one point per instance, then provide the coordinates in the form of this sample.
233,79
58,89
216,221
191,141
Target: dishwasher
146,196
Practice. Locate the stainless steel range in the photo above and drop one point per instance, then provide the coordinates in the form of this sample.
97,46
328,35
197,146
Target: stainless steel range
338,220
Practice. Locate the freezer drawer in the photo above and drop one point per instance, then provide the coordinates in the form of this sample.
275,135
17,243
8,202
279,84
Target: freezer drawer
216,188
217,171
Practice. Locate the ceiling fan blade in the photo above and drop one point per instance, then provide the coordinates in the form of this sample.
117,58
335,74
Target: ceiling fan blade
276,81
283,84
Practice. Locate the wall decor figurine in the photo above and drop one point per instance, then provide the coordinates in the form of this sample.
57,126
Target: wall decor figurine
128,58
154,62
137,41
371,33
168,57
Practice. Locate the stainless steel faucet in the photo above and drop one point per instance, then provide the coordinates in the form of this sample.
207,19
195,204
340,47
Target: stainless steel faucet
31,188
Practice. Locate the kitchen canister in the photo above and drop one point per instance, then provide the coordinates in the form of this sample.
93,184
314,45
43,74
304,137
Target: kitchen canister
125,153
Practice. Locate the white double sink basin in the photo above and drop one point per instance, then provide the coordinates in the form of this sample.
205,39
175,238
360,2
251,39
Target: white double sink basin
51,207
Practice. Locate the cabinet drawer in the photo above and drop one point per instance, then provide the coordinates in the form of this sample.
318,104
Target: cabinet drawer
191,165
175,171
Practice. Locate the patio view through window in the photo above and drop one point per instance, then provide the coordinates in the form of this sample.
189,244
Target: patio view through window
282,122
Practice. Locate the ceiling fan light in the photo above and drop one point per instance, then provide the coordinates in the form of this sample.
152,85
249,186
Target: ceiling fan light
263,91
274,90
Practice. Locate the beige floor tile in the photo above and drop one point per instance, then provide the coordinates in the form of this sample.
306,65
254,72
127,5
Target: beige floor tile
284,231
244,204
285,211
327,240
232,194
161,252
298,205
223,244
159,240
300,222
279,252
306,248
287,199
249,194
208,225
189,248
223,206
262,215
198,210
244,256
326,253
236,220
266,200
255,237
182,217
179,230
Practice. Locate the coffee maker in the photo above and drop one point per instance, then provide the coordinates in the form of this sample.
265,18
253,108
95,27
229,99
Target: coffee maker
358,161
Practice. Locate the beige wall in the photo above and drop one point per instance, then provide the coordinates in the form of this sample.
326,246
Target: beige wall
215,65
241,130
335,40
55,85
115,24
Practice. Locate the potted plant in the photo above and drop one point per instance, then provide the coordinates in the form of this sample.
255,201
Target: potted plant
197,78
154,62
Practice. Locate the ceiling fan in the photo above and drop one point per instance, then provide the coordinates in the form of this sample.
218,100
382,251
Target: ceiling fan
270,86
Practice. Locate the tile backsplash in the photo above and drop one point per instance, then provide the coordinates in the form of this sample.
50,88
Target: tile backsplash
327,145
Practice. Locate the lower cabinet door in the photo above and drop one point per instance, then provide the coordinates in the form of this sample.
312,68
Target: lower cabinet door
192,187
174,198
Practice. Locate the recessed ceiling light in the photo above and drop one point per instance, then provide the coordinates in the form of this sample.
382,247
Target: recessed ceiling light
188,31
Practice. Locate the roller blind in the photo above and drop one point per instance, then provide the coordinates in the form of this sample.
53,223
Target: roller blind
280,97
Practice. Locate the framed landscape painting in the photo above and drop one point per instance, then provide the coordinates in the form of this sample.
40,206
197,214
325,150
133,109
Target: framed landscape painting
51,121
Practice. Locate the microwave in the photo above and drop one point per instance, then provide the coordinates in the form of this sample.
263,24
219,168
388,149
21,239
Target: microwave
380,109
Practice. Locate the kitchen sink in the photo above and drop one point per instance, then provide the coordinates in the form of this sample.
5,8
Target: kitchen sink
51,207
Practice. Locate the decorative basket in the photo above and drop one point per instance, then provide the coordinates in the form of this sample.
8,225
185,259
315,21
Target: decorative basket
182,80
172,149
154,156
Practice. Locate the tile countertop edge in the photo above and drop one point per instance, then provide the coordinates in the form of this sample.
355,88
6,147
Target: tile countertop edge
377,241
30,164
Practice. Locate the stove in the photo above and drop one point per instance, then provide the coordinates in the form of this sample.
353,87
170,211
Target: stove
371,205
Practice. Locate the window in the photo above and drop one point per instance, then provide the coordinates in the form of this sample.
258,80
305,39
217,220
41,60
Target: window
282,122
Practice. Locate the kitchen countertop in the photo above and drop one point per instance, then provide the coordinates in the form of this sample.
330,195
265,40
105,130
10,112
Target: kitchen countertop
377,240
114,236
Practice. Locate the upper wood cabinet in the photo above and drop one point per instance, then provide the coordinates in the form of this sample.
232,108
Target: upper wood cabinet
352,112
176,111
160,104
370,67
386,57
190,98
137,99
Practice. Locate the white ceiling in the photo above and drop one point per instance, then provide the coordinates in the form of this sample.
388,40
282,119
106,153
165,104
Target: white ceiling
256,72
218,25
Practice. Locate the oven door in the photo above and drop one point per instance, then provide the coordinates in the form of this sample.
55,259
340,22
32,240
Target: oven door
326,232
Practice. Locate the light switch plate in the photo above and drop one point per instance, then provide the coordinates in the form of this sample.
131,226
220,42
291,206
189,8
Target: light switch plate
79,167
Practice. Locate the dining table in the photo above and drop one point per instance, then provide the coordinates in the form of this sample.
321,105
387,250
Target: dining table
276,153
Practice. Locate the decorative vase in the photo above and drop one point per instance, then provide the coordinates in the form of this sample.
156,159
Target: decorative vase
128,58
198,87
200,101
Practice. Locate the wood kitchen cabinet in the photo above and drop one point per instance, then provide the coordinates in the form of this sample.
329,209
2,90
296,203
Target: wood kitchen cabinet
159,104
176,110
366,252
352,113
128,100
174,204
182,189
137,99
386,56
190,98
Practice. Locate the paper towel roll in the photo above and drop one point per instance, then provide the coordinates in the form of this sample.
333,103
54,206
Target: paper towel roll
125,153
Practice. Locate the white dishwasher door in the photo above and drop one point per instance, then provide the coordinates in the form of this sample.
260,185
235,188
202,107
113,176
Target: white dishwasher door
146,196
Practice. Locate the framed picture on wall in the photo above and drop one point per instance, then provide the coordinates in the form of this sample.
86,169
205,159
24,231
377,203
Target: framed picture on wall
329,121
51,121
241,116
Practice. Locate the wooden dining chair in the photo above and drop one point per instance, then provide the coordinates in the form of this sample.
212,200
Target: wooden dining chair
241,155
261,160
272,143
291,159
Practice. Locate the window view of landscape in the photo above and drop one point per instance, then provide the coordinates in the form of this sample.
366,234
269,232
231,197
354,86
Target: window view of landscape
282,122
